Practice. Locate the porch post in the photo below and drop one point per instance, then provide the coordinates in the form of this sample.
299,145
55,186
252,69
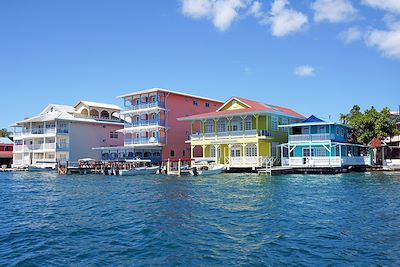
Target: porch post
204,150
229,126
216,153
282,155
243,152
191,151
243,127
216,126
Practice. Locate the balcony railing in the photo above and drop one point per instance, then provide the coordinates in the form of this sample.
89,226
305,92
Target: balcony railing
213,135
145,140
34,147
145,105
36,131
103,118
326,161
142,123
311,137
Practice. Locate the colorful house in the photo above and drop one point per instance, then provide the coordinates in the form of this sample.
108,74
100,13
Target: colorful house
241,133
66,133
316,143
152,130
6,152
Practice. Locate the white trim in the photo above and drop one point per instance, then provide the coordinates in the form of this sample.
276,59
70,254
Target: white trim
151,90
229,100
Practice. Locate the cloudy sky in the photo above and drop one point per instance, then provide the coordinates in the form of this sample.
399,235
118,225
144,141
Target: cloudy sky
316,56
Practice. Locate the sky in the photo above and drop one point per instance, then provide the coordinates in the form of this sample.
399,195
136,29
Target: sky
315,56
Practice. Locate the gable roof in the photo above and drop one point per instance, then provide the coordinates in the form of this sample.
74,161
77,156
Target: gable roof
97,104
312,118
252,107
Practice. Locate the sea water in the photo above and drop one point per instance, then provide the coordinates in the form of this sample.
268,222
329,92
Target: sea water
229,219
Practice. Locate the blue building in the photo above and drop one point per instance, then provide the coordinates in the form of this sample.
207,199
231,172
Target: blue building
316,143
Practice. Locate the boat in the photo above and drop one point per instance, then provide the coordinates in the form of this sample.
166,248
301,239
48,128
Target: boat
138,168
139,171
47,166
204,171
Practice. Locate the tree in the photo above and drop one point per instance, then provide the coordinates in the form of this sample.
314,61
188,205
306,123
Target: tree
370,124
4,133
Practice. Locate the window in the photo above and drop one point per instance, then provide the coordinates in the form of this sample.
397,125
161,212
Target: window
236,151
209,126
337,131
305,130
195,103
113,135
236,124
320,152
207,105
342,132
321,129
251,150
172,153
274,149
248,123
284,121
183,153
153,116
221,126
274,123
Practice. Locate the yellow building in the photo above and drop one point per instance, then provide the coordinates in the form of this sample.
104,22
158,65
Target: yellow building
242,133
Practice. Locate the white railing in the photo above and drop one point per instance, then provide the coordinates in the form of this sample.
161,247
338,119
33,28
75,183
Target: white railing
20,162
34,147
35,131
213,135
354,161
326,161
247,162
310,137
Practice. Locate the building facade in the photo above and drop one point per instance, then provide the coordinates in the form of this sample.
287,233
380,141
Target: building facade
316,143
6,152
241,133
66,133
152,130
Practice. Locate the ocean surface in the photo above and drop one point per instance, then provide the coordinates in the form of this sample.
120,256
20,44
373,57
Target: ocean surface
230,219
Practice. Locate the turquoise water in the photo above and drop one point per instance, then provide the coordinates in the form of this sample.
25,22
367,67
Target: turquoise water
232,219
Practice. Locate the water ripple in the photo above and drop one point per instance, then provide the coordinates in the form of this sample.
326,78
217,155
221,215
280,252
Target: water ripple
236,219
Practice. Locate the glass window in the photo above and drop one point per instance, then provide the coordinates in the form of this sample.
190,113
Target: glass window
172,153
248,123
209,126
274,123
195,103
251,150
207,105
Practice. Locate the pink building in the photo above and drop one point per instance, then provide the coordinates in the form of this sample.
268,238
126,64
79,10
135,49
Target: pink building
152,130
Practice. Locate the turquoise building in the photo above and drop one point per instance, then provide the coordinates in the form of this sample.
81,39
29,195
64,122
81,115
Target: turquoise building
317,143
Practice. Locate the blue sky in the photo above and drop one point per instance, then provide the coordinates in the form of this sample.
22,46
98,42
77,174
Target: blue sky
317,57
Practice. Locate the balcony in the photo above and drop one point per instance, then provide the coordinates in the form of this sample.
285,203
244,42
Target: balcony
232,134
146,105
39,131
311,137
145,123
146,141
102,118
34,147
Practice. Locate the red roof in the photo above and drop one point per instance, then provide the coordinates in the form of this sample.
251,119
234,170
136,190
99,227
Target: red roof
254,106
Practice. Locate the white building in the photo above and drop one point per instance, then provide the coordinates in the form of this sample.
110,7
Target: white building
66,133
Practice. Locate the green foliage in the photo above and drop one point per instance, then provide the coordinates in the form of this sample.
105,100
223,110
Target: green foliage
370,124
4,133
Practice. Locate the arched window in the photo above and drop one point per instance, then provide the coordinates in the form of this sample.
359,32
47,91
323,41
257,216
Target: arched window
104,114
85,112
147,154
94,113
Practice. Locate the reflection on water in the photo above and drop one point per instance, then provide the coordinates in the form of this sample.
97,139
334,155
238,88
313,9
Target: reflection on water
230,219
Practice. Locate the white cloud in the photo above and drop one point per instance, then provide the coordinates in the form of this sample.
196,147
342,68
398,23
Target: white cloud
221,12
284,20
255,9
388,5
333,10
304,71
386,41
350,35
